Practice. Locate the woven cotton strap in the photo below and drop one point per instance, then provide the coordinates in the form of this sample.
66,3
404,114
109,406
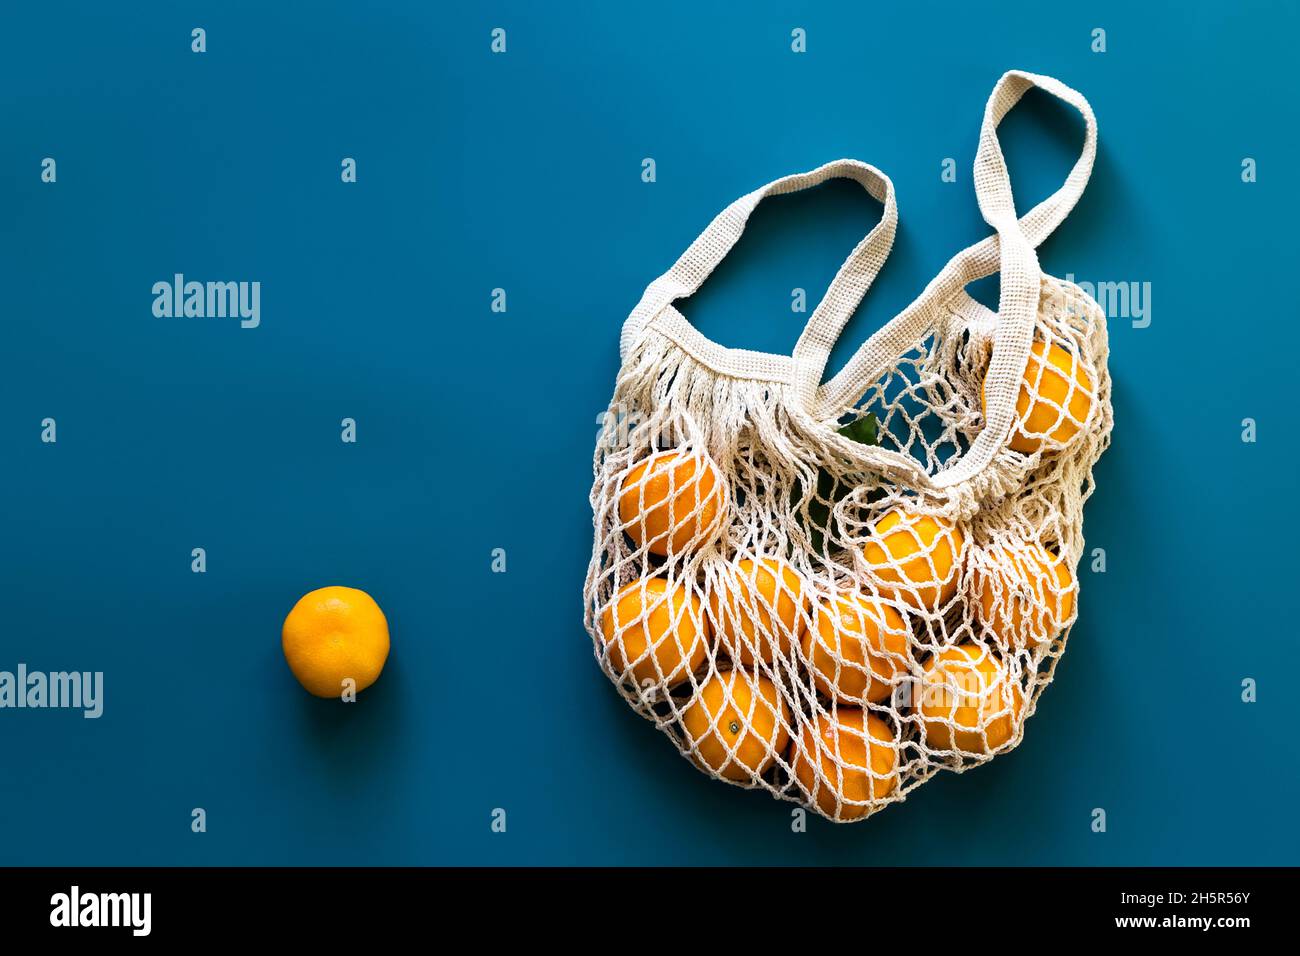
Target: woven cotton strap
1010,250
841,298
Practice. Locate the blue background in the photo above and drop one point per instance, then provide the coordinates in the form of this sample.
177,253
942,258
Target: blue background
475,429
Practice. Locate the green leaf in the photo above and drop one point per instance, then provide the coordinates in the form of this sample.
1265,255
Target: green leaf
864,431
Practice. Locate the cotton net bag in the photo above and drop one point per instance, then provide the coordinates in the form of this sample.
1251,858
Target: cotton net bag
833,590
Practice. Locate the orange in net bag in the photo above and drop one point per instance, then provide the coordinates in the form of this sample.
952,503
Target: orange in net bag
832,590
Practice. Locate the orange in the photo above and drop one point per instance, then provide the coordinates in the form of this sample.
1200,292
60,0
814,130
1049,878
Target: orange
966,690
334,635
914,558
652,628
1054,400
737,733
846,756
1026,595
860,648
671,502
754,615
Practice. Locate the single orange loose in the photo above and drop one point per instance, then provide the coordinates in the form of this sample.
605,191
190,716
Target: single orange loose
915,558
334,636
845,760
968,701
651,628
756,609
735,731
858,649
1054,400
672,502
1024,594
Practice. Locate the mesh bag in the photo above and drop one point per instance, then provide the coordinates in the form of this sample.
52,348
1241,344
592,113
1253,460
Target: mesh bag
833,590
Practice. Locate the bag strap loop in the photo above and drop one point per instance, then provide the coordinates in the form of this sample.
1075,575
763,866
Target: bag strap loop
842,295
992,181
1011,251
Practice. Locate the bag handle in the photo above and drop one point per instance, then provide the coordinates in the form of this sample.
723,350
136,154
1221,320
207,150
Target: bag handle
842,295
1010,250
992,181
